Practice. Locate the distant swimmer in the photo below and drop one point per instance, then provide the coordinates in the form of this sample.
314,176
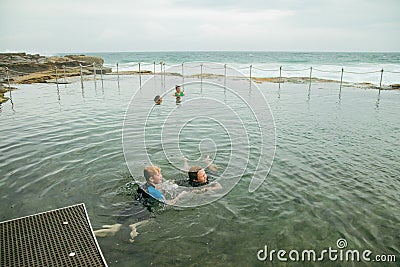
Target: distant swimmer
158,100
178,94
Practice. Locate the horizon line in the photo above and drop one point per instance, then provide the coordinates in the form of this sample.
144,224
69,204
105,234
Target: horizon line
191,51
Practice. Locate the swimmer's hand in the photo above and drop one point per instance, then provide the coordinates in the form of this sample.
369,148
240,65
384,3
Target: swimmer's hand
173,201
202,190
213,186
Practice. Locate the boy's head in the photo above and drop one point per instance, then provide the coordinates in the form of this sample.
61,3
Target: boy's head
153,175
197,174
177,88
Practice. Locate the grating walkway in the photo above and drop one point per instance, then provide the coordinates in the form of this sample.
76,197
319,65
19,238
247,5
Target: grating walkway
61,237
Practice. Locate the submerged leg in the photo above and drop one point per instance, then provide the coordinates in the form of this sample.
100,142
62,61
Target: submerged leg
134,232
108,230
186,166
209,164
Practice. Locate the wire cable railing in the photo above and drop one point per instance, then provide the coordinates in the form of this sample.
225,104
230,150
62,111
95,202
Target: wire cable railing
62,72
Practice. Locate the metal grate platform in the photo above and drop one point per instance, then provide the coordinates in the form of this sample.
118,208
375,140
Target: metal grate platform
61,237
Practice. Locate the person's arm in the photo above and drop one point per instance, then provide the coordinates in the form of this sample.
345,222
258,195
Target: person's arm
213,186
173,201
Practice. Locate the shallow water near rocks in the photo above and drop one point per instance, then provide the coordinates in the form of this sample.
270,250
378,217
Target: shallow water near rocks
335,174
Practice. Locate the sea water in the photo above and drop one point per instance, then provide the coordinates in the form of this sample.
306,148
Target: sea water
335,174
357,67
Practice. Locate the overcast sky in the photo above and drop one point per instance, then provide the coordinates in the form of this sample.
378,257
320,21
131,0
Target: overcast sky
51,26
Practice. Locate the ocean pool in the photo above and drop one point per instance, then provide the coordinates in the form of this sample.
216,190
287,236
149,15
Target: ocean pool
335,172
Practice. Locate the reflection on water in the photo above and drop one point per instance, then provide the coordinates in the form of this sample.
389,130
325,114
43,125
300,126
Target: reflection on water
58,94
83,90
378,99
335,173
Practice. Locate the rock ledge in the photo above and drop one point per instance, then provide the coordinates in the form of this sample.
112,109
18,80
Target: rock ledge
27,68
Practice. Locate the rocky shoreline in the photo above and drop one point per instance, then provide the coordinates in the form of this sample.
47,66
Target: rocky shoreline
22,68
2,92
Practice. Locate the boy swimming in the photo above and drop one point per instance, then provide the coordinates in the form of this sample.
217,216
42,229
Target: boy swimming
150,191
149,196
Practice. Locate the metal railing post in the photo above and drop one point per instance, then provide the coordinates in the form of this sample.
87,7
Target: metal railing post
380,82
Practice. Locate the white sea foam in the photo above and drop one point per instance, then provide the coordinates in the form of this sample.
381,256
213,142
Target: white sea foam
361,73
358,67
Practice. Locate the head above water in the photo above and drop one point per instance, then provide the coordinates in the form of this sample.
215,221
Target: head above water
153,175
197,175
158,100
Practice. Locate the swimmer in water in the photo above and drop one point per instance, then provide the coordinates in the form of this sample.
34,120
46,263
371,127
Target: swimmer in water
197,177
153,177
158,100
150,196
178,94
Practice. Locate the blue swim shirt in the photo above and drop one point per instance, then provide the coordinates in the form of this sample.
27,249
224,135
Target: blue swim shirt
154,193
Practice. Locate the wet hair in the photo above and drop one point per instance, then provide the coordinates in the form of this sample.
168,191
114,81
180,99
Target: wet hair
150,171
193,173
142,193
193,177
157,98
